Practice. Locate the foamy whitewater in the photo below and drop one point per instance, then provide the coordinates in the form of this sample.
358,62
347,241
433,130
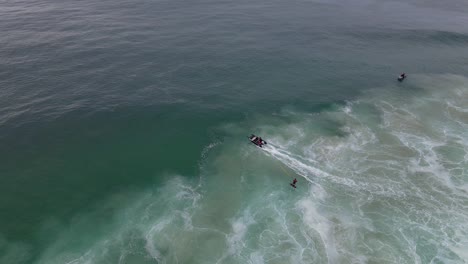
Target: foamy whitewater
388,186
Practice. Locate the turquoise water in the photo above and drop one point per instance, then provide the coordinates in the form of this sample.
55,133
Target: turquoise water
123,132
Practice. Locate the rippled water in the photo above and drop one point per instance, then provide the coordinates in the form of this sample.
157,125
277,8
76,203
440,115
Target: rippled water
123,132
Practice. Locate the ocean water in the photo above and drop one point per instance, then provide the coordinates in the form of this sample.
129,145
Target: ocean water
124,124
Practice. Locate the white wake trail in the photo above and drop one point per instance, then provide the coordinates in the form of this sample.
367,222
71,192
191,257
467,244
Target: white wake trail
304,170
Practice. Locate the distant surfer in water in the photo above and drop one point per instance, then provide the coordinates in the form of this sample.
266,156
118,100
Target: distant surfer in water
293,184
402,77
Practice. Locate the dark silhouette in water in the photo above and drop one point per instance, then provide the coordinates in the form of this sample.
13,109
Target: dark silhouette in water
293,184
401,77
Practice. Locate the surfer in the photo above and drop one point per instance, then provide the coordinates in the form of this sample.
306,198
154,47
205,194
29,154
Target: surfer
402,77
293,184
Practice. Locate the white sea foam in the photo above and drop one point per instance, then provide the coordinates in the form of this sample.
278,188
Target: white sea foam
391,159
313,219
384,184
206,150
235,240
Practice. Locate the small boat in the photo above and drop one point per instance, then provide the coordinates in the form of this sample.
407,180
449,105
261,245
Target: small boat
257,140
